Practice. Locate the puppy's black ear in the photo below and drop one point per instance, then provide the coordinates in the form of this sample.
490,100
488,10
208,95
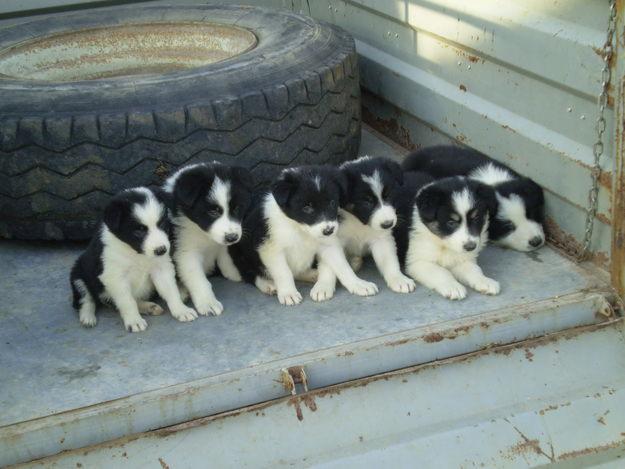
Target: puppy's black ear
283,187
113,214
166,198
428,201
486,194
342,182
243,176
190,185
395,169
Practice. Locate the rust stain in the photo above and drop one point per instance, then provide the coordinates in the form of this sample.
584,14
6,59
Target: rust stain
462,87
526,446
601,420
433,337
473,58
294,401
592,450
345,354
164,465
529,355
309,401
397,342
529,445
569,246
617,267
388,127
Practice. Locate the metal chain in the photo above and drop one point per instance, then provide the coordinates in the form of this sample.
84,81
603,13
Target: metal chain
600,126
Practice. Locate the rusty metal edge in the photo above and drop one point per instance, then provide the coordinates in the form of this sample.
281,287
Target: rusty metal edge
617,265
437,339
308,398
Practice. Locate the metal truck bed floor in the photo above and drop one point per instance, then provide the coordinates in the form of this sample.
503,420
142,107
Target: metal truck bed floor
63,386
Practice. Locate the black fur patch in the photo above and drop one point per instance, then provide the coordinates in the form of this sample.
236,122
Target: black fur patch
448,160
361,201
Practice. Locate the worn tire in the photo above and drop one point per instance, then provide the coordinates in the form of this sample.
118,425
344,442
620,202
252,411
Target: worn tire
66,148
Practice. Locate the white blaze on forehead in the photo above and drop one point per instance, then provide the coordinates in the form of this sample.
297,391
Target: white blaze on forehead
149,212
220,194
491,175
462,202
511,208
171,180
317,181
375,183
357,160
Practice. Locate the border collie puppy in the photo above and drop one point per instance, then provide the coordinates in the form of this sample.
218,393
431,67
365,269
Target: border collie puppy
126,261
443,227
518,223
367,217
291,226
209,201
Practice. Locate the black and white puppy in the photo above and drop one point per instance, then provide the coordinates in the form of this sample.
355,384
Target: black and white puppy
368,216
209,202
443,227
518,223
126,260
291,226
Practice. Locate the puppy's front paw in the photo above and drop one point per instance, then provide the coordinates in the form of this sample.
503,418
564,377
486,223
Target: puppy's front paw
356,263
135,324
209,306
150,308
487,286
266,286
87,319
363,288
401,284
290,297
184,314
452,290
322,291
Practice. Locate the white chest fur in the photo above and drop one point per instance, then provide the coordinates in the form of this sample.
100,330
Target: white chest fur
426,246
191,239
122,264
287,236
356,237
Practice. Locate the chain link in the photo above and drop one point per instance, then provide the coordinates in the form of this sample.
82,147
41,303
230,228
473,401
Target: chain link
600,126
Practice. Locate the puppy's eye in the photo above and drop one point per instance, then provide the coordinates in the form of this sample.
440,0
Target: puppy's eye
308,209
215,210
472,215
386,193
332,203
452,223
140,231
369,200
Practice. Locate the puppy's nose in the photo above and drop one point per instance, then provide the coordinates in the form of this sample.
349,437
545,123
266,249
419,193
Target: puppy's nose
469,245
536,241
328,230
159,251
387,224
231,237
